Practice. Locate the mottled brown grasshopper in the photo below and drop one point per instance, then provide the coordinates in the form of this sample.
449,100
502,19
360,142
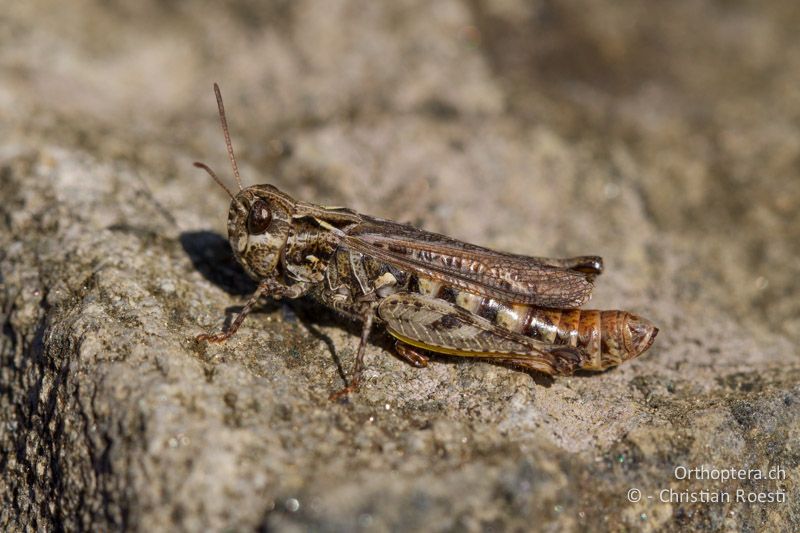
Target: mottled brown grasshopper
432,293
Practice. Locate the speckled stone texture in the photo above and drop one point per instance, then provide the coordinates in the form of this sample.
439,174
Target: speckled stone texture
663,136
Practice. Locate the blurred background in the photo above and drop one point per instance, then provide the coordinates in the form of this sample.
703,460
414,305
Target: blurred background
664,136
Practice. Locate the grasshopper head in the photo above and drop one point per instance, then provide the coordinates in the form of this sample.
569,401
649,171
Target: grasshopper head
258,226
259,216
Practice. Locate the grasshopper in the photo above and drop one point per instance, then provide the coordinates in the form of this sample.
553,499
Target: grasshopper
432,293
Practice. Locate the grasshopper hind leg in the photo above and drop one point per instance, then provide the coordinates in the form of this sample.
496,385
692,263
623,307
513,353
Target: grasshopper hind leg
411,355
565,361
435,325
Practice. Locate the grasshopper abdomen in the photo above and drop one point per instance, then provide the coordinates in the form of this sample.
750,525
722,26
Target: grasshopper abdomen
606,337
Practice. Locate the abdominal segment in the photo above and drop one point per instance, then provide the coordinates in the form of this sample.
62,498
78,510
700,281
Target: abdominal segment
606,338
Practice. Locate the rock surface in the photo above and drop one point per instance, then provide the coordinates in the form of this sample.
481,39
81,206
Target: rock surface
665,137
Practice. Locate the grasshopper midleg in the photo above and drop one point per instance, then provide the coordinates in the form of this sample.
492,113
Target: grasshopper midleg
358,366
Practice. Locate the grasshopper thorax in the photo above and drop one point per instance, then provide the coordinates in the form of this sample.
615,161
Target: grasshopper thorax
258,228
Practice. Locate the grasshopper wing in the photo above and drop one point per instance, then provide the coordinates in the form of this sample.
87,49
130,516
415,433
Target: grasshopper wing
561,283
438,326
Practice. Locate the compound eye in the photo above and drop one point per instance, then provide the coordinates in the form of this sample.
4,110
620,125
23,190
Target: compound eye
259,218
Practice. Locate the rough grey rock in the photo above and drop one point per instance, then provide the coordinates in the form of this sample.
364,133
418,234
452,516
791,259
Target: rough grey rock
664,137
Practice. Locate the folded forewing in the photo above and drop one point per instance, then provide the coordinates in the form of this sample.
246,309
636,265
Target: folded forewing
563,283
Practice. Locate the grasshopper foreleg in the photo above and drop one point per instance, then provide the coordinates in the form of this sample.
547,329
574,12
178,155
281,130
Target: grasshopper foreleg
270,287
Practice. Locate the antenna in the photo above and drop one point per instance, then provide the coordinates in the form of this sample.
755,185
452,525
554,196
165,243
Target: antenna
216,178
224,123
